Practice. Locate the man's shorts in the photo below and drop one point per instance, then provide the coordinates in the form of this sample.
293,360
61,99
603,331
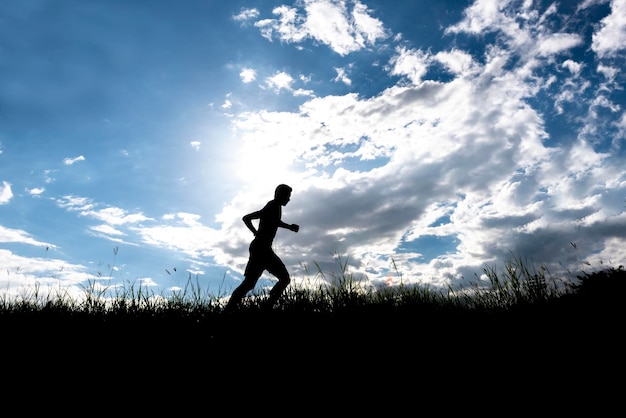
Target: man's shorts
262,257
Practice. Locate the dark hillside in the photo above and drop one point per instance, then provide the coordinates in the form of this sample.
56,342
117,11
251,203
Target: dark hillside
580,332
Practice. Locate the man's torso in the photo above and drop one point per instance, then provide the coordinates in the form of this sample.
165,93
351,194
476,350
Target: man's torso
268,222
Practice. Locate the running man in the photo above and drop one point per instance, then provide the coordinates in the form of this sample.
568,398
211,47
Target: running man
262,257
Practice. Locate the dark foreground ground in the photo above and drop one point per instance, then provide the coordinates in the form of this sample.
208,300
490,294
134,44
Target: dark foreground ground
567,351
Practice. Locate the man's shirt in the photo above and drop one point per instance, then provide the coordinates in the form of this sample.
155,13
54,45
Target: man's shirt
268,222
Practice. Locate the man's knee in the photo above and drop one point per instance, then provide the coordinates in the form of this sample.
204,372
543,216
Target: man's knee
246,285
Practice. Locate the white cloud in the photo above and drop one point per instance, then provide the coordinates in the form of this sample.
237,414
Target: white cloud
410,63
607,71
558,42
106,230
611,37
469,151
46,272
279,81
246,14
20,236
572,66
195,145
115,216
48,176
520,28
70,161
588,3
183,232
463,158
481,16
621,126
247,75
111,215
458,62
329,22
5,192
342,76
303,92
74,203
35,191
366,26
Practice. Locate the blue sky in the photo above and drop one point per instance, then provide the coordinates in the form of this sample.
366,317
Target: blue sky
423,140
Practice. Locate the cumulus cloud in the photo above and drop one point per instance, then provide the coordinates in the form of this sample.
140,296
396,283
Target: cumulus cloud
410,63
279,81
465,158
463,161
456,61
611,37
247,75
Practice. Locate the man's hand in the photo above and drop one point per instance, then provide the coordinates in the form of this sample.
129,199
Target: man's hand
294,227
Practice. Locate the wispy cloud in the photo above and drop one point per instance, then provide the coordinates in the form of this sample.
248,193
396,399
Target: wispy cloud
115,216
246,14
75,203
342,76
70,161
106,229
22,237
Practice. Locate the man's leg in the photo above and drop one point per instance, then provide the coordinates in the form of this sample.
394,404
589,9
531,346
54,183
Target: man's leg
278,269
278,290
247,285
251,275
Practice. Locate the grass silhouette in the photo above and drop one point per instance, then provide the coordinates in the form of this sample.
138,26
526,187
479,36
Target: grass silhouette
522,332
519,296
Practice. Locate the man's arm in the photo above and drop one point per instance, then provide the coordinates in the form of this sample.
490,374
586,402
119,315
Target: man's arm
247,219
291,227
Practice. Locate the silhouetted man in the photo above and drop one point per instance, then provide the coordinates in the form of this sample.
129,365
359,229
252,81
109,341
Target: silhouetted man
262,257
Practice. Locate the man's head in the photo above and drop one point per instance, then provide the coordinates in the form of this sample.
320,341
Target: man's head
282,193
